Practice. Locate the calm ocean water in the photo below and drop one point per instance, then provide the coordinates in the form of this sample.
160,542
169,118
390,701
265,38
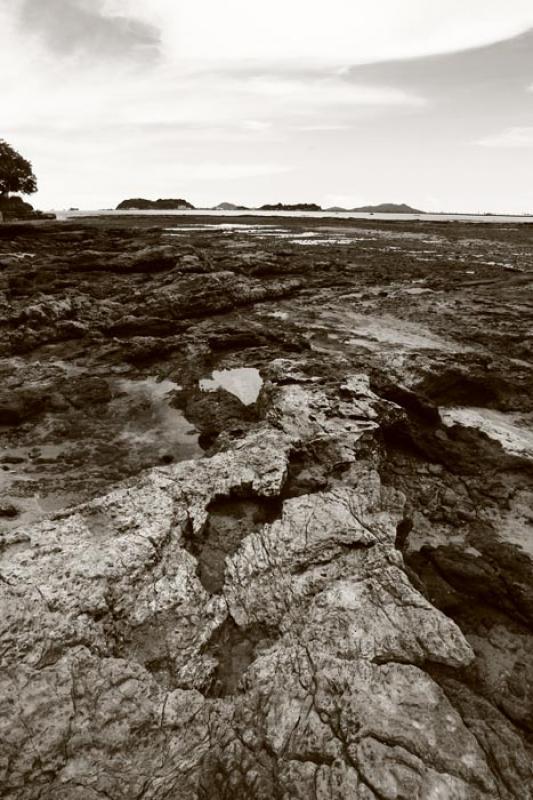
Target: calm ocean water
300,214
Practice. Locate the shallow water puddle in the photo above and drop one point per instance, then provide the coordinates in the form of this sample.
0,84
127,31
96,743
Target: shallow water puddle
227,227
417,290
21,473
375,333
335,241
389,330
137,429
270,231
242,382
152,424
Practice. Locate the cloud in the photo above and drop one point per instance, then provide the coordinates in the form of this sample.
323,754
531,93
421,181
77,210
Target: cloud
319,128
346,31
88,27
166,101
328,92
509,138
216,171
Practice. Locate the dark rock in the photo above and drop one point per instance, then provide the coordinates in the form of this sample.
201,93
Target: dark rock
8,510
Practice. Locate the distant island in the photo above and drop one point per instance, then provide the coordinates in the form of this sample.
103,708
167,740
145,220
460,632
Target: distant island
229,207
383,208
140,204
389,208
294,207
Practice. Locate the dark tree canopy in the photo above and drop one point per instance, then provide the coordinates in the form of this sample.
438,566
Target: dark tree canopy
16,174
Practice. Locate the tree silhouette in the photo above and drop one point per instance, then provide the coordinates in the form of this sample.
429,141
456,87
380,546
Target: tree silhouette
16,174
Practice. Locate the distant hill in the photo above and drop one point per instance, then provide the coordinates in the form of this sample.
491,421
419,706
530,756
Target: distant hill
295,207
229,207
389,208
140,204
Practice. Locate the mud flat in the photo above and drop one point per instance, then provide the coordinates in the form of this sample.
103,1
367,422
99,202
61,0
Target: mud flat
266,514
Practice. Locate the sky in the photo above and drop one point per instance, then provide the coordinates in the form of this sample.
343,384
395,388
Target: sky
339,103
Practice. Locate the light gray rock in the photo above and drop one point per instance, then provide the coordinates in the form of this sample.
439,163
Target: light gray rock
304,677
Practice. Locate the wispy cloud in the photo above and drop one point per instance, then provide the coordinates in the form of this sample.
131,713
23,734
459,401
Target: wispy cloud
216,171
328,91
319,127
344,31
87,27
510,137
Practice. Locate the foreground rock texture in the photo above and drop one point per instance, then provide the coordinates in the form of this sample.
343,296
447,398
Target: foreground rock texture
304,675
331,596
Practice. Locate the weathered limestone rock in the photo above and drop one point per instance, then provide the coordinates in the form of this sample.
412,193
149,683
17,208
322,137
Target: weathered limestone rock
304,676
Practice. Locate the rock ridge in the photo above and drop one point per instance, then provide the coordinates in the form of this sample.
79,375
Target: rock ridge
108,659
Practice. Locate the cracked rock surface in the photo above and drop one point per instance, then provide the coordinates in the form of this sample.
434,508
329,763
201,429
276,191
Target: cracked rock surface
323,593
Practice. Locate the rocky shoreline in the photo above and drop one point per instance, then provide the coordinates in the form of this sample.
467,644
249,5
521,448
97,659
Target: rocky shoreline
320,587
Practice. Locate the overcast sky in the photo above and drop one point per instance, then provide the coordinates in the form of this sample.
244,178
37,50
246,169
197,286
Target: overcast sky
342,102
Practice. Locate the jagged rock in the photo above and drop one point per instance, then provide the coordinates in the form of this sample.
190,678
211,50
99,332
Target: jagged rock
108,636
146,260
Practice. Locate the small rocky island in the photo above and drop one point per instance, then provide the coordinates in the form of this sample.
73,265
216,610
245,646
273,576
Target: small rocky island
230,207
140,204
291,207
389,208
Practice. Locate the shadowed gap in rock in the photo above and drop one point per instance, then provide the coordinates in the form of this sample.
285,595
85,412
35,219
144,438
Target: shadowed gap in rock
235,649
230,520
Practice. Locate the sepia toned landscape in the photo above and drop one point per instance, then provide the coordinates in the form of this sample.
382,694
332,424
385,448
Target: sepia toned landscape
266,400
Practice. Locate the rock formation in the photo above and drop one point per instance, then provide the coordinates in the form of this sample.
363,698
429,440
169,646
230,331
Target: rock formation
300,670
324,592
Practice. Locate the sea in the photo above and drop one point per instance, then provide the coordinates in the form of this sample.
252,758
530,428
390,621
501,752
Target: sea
199,212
